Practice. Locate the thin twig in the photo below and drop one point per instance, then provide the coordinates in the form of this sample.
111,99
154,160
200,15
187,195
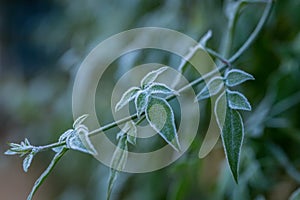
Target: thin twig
45,174
255,33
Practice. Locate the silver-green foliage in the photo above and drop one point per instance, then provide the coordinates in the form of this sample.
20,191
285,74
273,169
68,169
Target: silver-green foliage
145,99
227,108
159,115
70,139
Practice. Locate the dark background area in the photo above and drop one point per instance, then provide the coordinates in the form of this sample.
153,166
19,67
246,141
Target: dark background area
42,44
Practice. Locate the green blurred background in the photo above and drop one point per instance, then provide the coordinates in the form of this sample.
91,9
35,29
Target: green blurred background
42,44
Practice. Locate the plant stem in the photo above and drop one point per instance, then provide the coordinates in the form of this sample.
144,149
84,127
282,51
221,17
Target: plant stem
50,146
45,174
255,33
218,56
232,59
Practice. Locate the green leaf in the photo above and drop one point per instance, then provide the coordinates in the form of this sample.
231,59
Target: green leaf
141,101
78,140
151,76
14,145
159,88
232,132
235,77
75,143
212,88
27,161
65,135
237,101
295,195
129,95
117,163
220,109
160,116
10,152
45,174
26,141
22,149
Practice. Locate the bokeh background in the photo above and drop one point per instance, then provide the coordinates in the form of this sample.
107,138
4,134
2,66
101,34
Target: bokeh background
42,44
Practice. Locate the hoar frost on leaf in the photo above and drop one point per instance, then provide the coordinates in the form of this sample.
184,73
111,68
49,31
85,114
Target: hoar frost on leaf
235,77
160,116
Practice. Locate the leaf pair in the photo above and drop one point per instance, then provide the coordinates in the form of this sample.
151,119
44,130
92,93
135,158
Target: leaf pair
132,92
232,78
159,113
141,94
77,138
230,120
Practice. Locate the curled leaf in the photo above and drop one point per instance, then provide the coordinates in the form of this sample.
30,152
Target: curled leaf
75,143
151,76
160,116
129,95
79,120
78,140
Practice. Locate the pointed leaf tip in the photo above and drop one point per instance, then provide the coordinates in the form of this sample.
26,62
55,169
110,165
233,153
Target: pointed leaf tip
141,102
27,161
235,77
151,76
79,120
232,133
160,116
129,95
237,101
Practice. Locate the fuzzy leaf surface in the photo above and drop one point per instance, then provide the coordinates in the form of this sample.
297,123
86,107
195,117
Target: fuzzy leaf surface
237,101
27,161
235,77
232,132
129,95
151,76
160,116
212,88
159,88
141,101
